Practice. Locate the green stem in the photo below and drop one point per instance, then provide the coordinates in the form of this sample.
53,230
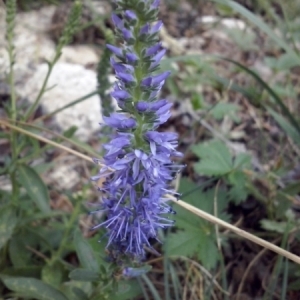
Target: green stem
140,73
74,102
65,240
42,90
13,111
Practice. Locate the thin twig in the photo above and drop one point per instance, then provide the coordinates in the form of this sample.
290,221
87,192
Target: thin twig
45,140
251,264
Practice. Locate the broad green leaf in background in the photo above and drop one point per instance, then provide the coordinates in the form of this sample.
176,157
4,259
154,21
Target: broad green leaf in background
242,160
77,290
282,63
32,288
215,158
53,274
84,275
27,271
79,294
8,221
270,225
85,253
35,187
195,236
18,252
222,109
127,290
238,191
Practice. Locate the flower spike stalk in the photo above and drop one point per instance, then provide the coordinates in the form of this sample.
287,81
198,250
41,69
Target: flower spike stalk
133,195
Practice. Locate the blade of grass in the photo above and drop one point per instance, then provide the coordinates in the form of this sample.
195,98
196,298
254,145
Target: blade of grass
285,278
286,126
261,25
145,294
223,275
175,281
166,277
151,287
278,266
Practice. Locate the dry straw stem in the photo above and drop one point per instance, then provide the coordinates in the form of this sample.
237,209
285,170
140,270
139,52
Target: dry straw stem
45,140
202,214
236,230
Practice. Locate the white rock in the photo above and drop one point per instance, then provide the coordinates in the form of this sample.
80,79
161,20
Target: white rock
64,176
227,22
79,54
68,82
30,41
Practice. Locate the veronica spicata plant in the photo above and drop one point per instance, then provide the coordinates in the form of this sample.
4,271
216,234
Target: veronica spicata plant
138,160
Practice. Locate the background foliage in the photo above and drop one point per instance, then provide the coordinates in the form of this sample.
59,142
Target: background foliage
47,253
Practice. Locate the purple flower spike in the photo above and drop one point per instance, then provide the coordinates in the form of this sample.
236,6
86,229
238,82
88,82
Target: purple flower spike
138,160
132,58
120,94
155,80
160,78
120,121
117,51
158,104
145,29
127,34
156,27
125,77
152,50
156,59
134,272
155,4
117,21
130,15
142,106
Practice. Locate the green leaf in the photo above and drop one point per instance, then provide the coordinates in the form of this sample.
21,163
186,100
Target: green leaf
32,288
35,187
286,126
274,226
79,294
70,131
286,62
53,274
242,160
84,275
215,158
238,191
196,236
85,253
18,253
41,216
127,290
70,289
8,222
27,271
222,109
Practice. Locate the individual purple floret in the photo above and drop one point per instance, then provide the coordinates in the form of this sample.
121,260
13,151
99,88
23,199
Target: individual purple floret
138,160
